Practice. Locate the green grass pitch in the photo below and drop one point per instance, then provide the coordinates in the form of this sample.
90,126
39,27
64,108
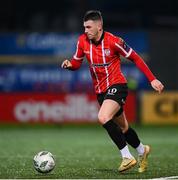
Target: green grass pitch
83,151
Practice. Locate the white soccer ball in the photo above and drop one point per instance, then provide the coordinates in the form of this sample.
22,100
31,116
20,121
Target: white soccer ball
44,162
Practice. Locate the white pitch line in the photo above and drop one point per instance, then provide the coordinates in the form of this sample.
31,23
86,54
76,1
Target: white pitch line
170,177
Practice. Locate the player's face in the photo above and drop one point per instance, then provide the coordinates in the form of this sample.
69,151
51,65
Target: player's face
92,29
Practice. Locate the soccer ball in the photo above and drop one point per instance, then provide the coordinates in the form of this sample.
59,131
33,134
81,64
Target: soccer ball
44,162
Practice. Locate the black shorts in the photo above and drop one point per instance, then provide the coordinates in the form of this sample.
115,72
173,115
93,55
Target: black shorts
116,92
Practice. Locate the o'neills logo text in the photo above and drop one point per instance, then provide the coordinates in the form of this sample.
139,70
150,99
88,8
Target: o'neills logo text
74,108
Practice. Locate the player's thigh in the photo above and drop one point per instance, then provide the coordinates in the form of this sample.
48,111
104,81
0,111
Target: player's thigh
118,93
107,111
122,122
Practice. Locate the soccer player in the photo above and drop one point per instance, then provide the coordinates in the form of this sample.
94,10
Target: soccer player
103,50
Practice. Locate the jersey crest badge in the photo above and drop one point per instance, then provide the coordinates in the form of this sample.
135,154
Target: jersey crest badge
107,52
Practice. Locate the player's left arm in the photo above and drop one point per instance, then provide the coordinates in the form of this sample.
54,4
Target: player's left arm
155,83
130,54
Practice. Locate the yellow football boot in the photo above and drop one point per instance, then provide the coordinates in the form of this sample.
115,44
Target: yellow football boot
142,159
126,164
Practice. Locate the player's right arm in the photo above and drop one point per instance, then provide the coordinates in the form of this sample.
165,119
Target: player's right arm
77,59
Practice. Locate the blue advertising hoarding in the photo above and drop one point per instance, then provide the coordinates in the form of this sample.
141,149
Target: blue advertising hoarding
51,78
48,77
59,44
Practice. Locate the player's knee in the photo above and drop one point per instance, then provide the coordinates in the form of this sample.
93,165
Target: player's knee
102,118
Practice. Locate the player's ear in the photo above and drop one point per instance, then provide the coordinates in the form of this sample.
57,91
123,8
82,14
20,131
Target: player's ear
100,26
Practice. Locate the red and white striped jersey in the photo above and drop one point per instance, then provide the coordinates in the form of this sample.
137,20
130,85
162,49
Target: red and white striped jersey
104,60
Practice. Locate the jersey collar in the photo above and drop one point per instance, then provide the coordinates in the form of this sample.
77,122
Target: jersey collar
98,42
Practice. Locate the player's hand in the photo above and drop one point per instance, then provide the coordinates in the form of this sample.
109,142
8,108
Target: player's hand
66,64
157,85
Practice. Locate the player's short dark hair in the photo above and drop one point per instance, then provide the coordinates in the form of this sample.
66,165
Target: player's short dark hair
93,15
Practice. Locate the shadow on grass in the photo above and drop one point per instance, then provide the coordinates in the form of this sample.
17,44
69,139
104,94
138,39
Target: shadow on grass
114,171
44,176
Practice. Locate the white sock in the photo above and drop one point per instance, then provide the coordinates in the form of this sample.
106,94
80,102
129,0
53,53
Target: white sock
140,149
126,153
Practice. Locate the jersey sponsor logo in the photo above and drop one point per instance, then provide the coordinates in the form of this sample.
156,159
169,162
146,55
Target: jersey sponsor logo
107,52
100,65
112,91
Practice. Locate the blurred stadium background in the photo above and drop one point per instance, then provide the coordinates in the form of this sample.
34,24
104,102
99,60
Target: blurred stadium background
36,36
